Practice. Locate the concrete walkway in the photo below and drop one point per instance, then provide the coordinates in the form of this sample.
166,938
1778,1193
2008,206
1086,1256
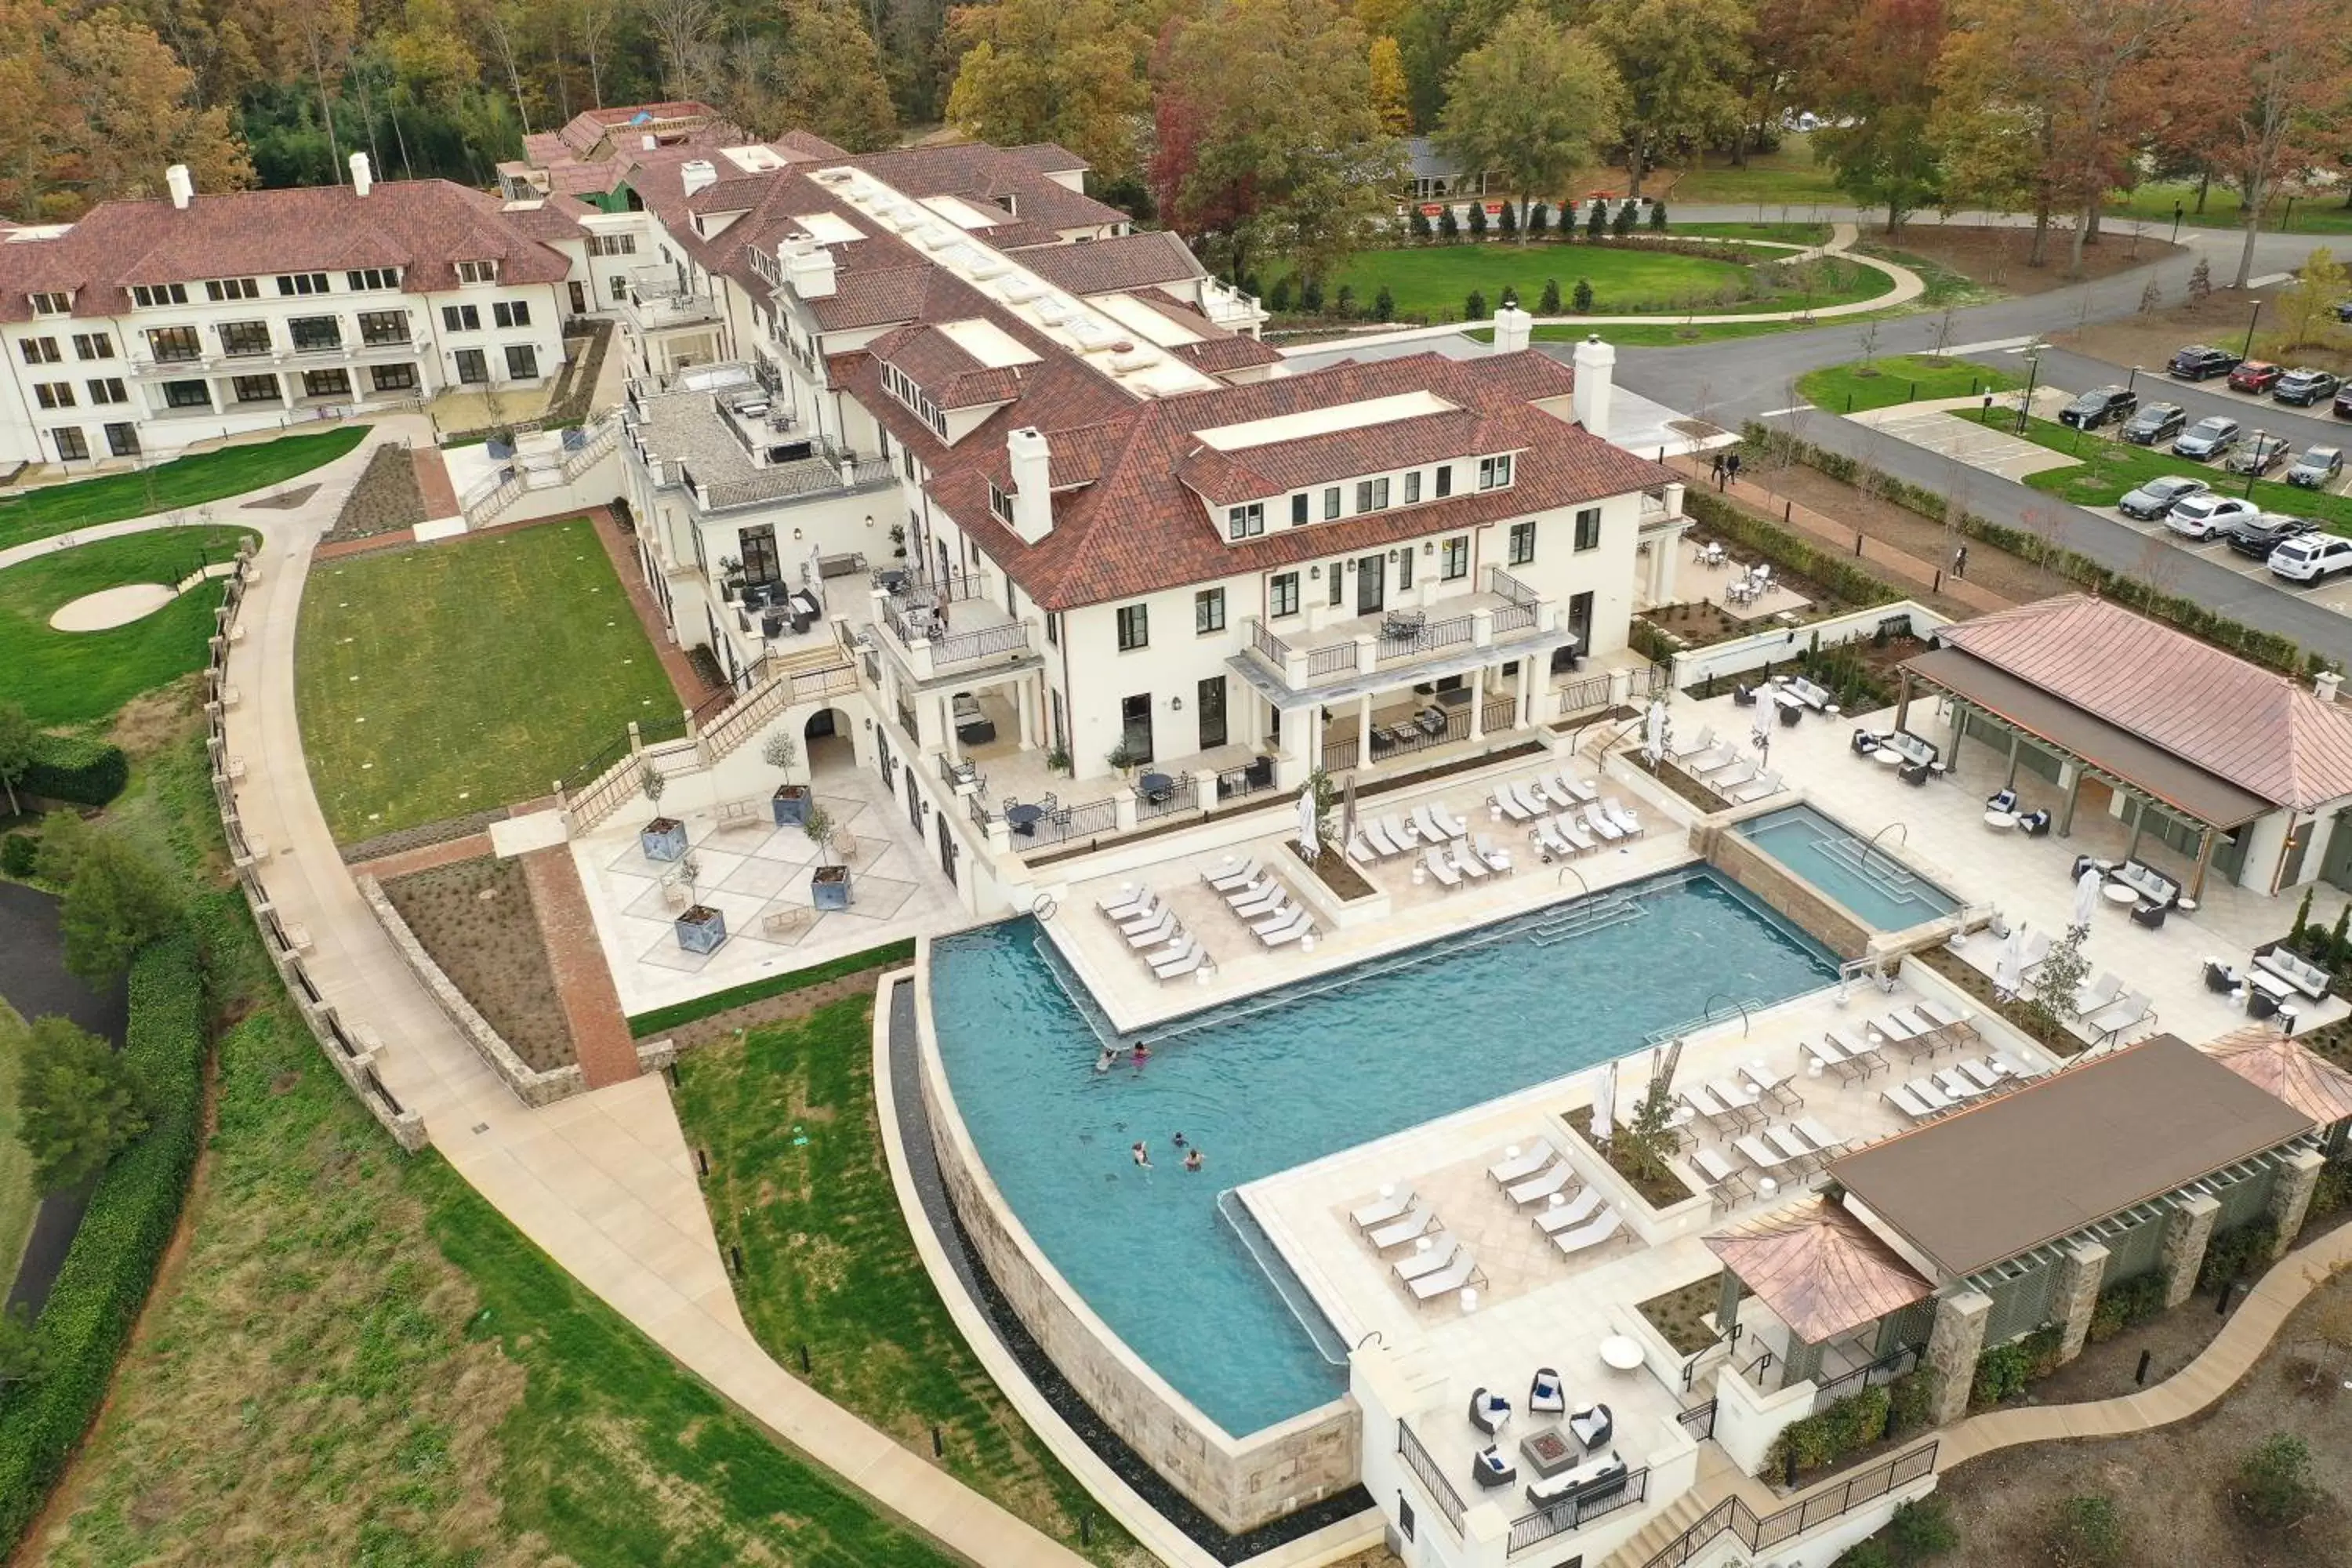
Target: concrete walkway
602,1181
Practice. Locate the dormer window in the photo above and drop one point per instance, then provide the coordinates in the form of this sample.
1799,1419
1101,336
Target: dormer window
147,296
1371,495
1000,505
52,304
1494,473
902,386
1245,521
219,289
293,283
477,273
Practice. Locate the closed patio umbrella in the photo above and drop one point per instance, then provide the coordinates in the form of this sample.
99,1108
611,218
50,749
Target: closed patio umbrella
1761,728
2009,969
1654,733
1605,1104
2086,897
1310,844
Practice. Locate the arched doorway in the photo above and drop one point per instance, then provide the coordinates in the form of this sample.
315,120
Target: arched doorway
825,743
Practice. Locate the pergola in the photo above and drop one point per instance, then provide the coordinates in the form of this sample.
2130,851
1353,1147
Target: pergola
2148,773
2291,1071
1820,1271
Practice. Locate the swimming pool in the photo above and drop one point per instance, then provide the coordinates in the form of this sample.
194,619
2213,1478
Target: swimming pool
1285,1079
1879,888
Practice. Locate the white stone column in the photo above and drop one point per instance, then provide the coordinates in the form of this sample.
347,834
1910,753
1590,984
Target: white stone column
1478,703
1527,685
1364,731
1028,712
948,727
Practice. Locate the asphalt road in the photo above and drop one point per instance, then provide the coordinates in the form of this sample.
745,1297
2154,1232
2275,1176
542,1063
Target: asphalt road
1750,378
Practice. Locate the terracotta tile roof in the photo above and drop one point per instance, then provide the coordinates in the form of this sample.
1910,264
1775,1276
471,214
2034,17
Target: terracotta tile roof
941,367
421,226
1129,261
1819,1268
2288,1068
1263,472
2234,720
974,169
556,217
1048,158
808,146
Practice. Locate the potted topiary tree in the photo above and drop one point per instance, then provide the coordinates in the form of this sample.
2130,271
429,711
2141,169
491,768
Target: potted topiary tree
792,801
829,883
701,928
663,838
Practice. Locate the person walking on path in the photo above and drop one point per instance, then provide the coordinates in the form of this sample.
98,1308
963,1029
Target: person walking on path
1960,561
1730,466
1716,470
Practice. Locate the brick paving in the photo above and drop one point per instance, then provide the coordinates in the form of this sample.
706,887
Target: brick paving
433,481
591,1007
385,867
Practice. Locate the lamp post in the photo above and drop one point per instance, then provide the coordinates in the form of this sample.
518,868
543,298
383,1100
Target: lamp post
2177,210
2032,370
2254,465
2286,221
2130,381
2255,316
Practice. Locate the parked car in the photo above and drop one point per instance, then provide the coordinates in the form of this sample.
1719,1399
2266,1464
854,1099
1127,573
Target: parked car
2153,500
2097,406
2203,517
2302,388
2312,558
2344,310
2343,401
2256,376
2316,469
2259,535
2208,439
2258,456
2154,422
2198,363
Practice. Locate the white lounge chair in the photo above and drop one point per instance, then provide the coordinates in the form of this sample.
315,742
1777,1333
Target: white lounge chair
1547,836
1446,1281
1514,1168
1428,827
1553,1218
1449,824
1591,1234
1506,799
1763,786
1825,1143
1435,862
2089,999
1606,831
1302,924
1360,850
1537,1187
1443,1249
1929,1093
1760,1153
1624,816
1826,1054
1392,1205
1985,1074
1497,860
1377,837
1733,777
1569,788
2121,1014
1702,742
1958,1085
1192,957
1227,880
1791,1143
1146,910
1157,931
1859,1051
1715,760
1402,834
1265,901
1468,861
1403,1229
1953,1021
1275,918
1727,1181
1124,903
1900,1097
1256,888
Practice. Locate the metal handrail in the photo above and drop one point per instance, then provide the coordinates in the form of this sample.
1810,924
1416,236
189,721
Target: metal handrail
1418,1461
964,646
1575,1513
1269,646
1336,659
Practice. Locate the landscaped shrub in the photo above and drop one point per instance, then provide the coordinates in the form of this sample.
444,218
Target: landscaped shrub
1539,220
1623,225
2127,1306
1449,228
1549,304
2004,1371
1384,305
18,855
2085,1532
1908,1398
2239,1254
1922,1528
2275,1487
1310,295
1474,309
1658,217
1278,301
1419,225
1849,1426
1870,1553
2329,1194
76,769
1582,296
113,1258
1596,222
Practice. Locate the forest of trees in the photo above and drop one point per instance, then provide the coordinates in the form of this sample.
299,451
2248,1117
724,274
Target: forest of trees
1258,127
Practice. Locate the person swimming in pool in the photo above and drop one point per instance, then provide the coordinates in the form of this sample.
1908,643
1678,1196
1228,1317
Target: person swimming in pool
1178,1139
1142,1155
1192,1160
1142,1053
1102,1062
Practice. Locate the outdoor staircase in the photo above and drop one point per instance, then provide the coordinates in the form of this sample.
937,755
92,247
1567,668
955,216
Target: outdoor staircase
1664,1530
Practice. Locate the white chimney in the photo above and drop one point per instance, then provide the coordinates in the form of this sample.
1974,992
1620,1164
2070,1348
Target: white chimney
1513,330
183,188
1596,366
697,174
649,142
808,268
2326,683
363,177
1033,470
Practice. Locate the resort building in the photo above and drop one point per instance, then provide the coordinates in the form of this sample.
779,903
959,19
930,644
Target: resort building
1438,176
146,326
591,153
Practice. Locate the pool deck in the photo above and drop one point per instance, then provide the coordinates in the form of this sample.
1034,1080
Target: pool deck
1133,998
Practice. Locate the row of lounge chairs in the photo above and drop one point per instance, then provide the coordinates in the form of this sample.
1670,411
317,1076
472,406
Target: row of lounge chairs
2107,1009
1724,769
1950,1087
1152,930
1576,1220
1560,790
1928,1027
1740,1101
1398,1218
1801,1146
1573,833
1259,898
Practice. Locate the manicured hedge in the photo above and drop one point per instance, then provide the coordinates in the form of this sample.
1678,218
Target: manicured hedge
661,1020
2268,649
75,770
113,1260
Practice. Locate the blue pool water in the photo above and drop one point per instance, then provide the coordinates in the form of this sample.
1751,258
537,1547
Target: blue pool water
1826,853
1284,1080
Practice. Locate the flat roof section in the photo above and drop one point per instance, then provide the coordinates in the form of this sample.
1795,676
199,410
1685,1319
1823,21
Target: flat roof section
2142,764
2064,1152
1359,415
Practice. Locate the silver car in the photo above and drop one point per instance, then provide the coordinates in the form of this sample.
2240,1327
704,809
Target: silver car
2153,500
2208,439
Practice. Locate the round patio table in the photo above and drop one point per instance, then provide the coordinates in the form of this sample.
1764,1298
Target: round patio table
1024,818
2001,821
1620,1354
2119,895
1156,785
1887,757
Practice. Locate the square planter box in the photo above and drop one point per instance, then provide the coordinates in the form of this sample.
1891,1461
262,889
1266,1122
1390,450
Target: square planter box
829,888
702,929
663,838
792,804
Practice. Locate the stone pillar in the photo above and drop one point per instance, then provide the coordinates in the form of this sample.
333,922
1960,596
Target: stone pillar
2080,1274
2298,1176
1364,731
1953,1346
948,727
1524,708
1726,1307
1028,721
1478,703
2186,1231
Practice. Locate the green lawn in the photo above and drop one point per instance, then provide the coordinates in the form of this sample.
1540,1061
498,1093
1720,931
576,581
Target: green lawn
2153,204
797,1180
76,678
1899,378
453,677
18,1199
1432,282
1786,177
357,1360
2108,468
168,487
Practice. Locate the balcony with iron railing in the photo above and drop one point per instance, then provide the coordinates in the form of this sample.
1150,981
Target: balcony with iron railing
655,300
1401,642
947,626
718,435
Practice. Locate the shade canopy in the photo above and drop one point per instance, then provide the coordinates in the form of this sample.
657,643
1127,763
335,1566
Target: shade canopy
1819,1268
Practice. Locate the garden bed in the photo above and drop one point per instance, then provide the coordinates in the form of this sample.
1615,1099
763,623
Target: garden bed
1332,867
385,500
476,921
2059,1041
1681,1315
1659,1193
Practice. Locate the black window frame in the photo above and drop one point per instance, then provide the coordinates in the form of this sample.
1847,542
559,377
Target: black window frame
1521,550
1208,612
175,397
73,446
1282,595
1444,480
245,388
1588,528
522,362
297,328
461,318
245,339
1134,628
473,367
382,329
1246,521
310,378
1454,558
180,339
399,377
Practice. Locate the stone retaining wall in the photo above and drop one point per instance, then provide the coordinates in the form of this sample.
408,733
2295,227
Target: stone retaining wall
1790,895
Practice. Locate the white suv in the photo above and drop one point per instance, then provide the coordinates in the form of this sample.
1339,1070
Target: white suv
2203,516
2312,558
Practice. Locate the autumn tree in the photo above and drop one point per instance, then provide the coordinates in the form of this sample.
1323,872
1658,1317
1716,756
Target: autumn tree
1047,70
1386,66
1879,103
823,75
1680,61
317,36
682,28
1268,141
1431,36
1535,101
